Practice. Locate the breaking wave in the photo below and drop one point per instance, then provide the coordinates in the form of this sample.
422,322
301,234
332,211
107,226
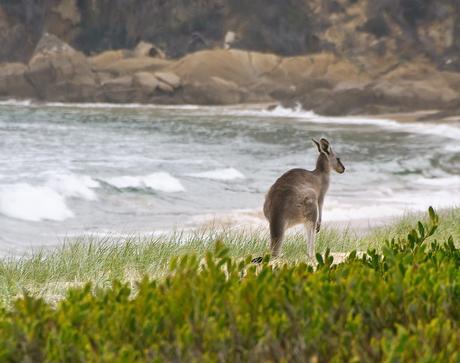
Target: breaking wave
46,202
33,203
76,186
160,181
425,128
220,174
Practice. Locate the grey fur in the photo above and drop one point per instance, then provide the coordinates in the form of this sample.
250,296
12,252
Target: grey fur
297,198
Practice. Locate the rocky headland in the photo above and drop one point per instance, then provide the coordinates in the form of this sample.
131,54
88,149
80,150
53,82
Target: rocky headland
334,57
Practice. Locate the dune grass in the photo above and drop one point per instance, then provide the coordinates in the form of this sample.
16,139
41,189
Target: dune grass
50,273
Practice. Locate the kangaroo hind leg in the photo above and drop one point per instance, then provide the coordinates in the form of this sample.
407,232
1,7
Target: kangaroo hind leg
311,220
310,232
276,235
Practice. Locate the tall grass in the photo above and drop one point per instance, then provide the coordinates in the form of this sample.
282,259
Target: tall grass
399,304
49,273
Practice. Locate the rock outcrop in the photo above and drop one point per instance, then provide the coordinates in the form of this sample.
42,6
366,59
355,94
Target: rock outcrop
404,89
147,82
60,73
324,82
13,82
120,63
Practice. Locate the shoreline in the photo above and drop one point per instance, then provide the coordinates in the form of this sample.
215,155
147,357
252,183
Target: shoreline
401,117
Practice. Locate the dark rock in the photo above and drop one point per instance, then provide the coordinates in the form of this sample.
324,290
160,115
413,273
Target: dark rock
121,90
305,92
216,91
344,102
60,73
147,82
169,78
118,63
13,82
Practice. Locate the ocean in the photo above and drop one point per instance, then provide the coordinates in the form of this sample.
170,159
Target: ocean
69,170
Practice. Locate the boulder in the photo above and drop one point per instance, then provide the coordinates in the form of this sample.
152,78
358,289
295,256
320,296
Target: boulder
216,91
384,96
169,78
120,90
120,82
305,91
146,49
100,61
125,66
264,72
343,101
241,67
321,65
102,77
165,87
13,82
60,73
421,94
147,82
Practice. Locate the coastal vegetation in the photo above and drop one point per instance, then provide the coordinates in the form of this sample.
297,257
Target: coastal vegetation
49,273
396,302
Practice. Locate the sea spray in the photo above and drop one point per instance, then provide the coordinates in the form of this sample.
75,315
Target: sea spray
160,181
220,174
33,203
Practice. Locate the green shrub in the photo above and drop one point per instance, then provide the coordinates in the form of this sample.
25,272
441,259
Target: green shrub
401,304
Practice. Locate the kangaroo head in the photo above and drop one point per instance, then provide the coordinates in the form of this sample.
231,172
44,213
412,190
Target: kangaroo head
324,147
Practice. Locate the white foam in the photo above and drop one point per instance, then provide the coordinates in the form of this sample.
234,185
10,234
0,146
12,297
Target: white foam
333,214
234,218
220,174
89,105
440,182
449,131
33,203
279,111
76,186
428,128
452,148
437,192
298,113
13,102
160,181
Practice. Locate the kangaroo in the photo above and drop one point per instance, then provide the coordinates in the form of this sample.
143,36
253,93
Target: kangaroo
297,198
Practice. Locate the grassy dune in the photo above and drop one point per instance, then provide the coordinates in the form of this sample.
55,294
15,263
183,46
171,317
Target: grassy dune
399,304
50,273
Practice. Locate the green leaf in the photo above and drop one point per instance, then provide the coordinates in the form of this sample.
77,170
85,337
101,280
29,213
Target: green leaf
432,214
421,229
319,258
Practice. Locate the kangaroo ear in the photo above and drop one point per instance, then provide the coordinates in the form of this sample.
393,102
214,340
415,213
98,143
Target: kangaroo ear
324,146
324,142
317,144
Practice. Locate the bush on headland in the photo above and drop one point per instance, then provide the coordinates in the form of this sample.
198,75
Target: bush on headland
398,304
